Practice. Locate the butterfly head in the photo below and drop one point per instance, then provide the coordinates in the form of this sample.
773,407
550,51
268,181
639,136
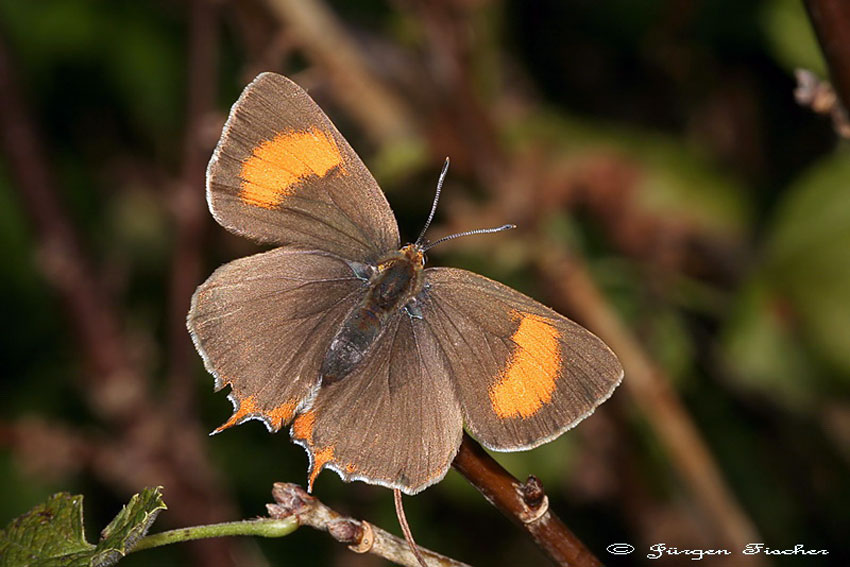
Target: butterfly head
414,254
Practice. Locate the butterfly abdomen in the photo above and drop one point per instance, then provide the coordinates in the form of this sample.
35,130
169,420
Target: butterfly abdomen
396,281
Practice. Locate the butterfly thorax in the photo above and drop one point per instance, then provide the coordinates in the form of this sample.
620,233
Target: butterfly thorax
395,281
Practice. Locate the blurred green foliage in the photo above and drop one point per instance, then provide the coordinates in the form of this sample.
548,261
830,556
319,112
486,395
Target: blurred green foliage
696,99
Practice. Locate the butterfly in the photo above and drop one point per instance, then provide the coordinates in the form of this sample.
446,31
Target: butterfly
375,362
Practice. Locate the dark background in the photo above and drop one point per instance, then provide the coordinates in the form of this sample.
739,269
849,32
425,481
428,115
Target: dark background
654,146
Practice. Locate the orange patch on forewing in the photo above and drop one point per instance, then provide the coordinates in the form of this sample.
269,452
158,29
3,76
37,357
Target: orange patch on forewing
277,166
246,407
302,428
281,415
528,380
320,459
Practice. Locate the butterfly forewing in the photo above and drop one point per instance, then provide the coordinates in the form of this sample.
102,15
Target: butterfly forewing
395,421
283,174
263,323
523,373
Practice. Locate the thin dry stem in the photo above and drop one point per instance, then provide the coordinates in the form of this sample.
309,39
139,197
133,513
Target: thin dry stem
821,98
831,21
291,499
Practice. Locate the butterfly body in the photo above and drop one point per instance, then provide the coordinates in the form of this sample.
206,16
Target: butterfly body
375,363
395,282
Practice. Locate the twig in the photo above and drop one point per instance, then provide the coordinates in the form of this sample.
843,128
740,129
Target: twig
260,527
526,504
662,408
361,537
831,21
821,98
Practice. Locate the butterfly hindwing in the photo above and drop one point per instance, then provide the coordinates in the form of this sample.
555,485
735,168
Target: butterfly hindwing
394,421
523,373
263,323
283,174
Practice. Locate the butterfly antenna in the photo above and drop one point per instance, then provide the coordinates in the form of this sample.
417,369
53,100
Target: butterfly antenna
434,204
468,233
402,520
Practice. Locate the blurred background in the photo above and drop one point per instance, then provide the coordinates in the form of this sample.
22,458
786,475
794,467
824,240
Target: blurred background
670,194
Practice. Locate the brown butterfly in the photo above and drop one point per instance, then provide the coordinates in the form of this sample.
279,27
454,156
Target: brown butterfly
375,361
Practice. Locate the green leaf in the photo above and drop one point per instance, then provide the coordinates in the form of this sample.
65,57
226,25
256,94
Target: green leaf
808,256
763,350
793,312
118,538
51,534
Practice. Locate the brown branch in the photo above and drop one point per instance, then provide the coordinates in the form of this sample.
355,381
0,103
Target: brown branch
525,504
360,536
831,21
821,98
660,404
188,204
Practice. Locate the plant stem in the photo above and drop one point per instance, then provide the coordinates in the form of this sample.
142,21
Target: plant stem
831,21
263,527
522,502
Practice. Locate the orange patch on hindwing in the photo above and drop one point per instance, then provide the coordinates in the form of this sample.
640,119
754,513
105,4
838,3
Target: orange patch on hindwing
302,428
247,406
527,382
281,415
320,459
277,166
